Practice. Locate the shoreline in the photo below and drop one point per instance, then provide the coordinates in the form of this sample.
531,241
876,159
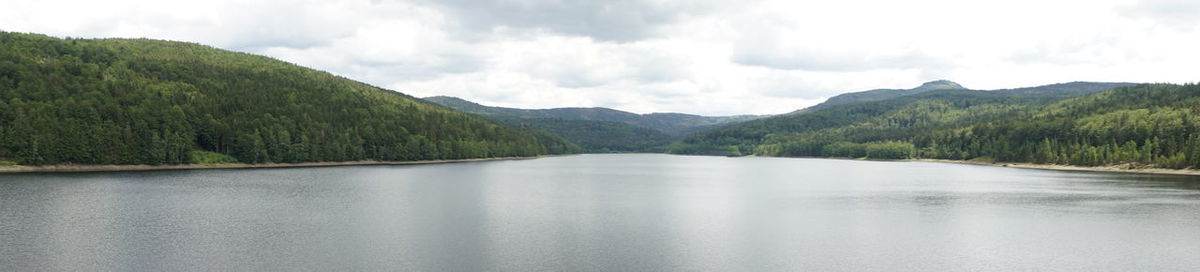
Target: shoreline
84,168
1059,167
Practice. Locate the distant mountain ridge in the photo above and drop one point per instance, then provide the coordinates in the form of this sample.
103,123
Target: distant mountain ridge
599,129
674,124
1077,123
883,94
1060,90
1068,89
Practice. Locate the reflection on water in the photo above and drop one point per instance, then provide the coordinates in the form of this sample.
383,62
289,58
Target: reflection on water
602,213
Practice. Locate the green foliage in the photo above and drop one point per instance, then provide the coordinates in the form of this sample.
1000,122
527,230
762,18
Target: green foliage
884,94
694,149
1152,125
672,124
845,150
599,136
890,150
138,101
210,158
807,133
599,130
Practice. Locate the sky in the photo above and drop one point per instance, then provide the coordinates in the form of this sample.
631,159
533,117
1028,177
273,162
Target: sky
709,57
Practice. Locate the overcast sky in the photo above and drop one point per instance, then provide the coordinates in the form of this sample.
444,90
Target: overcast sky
709,57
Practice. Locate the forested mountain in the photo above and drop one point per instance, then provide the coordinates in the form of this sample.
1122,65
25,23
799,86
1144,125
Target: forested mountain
945,108
882,94
1153,124
599,136
1065,90
1148,125
977,105
1053,91
599,129
674,124
139,101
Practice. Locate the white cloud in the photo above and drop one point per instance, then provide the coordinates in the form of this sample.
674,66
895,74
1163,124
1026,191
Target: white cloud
580,62
707,57
614,20
1179,14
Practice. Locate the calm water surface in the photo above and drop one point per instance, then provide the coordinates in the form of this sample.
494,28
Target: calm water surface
635,212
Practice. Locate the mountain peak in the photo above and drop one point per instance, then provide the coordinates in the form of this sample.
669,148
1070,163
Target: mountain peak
939,85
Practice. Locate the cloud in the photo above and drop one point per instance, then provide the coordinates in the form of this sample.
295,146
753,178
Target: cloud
581,62
398,43
618,20
831,59
238,25
1099,49
714,57
1183,15
842,37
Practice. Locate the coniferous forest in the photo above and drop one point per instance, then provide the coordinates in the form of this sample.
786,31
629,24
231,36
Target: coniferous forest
600,130
140,101
1149,125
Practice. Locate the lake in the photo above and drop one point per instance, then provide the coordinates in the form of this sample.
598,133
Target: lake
620,212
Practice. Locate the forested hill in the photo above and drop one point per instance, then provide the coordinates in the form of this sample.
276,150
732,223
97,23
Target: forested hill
139,101
1151,125
1155,125
950,107
1047,92
674,124
599,129
883,94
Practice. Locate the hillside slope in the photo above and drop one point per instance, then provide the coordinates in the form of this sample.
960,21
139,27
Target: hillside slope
674,124
883,94
599,136
139,101
1048,92
1151,125
897,119
599,129
594,136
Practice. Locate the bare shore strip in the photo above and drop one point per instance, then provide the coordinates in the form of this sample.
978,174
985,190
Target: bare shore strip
1113,169
141,167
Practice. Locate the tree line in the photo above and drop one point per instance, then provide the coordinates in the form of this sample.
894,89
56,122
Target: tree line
1150,125
139,101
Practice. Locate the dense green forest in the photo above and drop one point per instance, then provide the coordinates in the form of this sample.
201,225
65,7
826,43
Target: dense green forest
930,107
806,133
938,103
139,101
882,94
600,129
673,124
1152,125
599,136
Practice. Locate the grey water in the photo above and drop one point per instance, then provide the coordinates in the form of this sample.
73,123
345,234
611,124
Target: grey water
621,212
